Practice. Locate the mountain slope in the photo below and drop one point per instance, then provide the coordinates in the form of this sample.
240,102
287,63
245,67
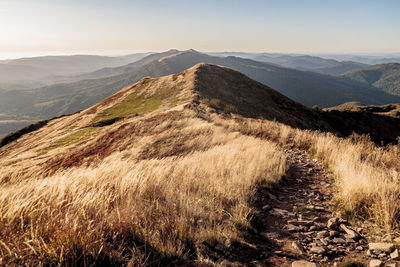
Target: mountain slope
305,87
384,76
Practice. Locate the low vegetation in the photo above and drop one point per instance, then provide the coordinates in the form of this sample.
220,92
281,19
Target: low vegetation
367,175
81,135
139,103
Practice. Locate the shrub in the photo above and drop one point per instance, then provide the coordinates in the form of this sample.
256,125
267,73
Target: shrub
230,109
215,103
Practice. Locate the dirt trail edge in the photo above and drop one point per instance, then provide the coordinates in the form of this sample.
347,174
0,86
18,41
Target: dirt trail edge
295,225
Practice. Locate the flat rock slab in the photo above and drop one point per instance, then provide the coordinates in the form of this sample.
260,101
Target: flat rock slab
384,247
303,263
395,255
350,232
375,263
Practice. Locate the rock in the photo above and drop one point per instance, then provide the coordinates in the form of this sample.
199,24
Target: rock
300,222
322,234
350,232
310,207
317,250
378,247
333,223
349,240
271,196
293,228
323,242
382,255
395,255
303,263
369,253
375,263
278,212
359,248
333,233
339,240
319,208
391,265
267,207
313,228
397,240
299,248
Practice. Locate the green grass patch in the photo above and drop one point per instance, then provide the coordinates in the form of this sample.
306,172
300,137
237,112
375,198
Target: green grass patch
139,104
73,138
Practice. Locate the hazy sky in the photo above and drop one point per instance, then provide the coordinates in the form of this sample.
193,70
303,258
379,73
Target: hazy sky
122,26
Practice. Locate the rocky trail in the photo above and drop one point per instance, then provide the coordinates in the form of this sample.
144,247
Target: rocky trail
296,227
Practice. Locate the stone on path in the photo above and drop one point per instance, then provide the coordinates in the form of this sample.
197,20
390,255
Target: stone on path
378,247
375,263
395,255
333,223
299,248
303,263
279,212
350,232
317,250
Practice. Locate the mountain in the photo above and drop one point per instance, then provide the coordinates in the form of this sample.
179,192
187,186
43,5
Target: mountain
105,72
165,171
304,87
23,72
365,59
311,63
383,76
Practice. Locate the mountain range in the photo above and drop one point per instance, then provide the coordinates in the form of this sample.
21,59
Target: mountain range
305,87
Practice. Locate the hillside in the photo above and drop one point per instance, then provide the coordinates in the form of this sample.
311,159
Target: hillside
304,87
179,170
391,110
311,63
384,76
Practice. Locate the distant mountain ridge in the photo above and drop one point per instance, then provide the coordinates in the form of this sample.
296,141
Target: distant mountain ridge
23,72
311,63
383,76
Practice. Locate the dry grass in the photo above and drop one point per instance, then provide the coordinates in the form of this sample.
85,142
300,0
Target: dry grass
124,209
367,176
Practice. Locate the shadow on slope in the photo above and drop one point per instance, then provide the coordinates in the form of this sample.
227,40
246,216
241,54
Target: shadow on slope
253,99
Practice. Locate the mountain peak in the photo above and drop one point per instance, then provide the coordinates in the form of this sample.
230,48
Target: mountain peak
173,51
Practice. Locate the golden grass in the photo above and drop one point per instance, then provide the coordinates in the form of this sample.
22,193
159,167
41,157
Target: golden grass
367,176
123,210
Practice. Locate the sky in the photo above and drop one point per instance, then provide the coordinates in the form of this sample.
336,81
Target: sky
39,27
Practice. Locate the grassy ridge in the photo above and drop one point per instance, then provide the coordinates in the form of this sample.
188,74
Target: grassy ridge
158,210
